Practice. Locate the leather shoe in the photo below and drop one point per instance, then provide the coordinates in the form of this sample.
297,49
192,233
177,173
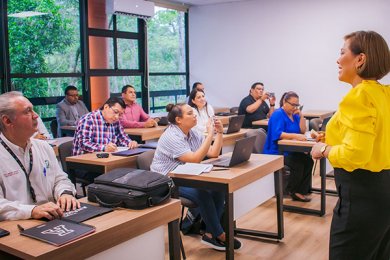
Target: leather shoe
295,197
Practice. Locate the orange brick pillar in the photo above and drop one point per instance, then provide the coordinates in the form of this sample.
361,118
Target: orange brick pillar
98,53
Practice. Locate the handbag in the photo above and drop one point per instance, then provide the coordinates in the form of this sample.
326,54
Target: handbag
130,188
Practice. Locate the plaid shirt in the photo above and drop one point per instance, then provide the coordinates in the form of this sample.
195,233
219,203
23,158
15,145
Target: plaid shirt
93,134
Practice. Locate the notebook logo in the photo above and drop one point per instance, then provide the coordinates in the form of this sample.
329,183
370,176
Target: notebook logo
59,230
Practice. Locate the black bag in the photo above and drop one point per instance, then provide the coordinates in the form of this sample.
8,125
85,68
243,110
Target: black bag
130,188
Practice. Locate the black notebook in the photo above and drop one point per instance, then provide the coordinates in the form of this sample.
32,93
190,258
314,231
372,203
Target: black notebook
85,212
131,152
58,232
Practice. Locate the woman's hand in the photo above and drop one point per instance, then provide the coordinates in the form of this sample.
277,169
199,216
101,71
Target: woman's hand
300,137
218,126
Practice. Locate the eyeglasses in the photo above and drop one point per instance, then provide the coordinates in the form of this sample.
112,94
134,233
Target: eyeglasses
116,112
294,105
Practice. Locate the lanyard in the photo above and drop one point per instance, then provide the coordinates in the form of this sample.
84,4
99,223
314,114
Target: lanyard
31,189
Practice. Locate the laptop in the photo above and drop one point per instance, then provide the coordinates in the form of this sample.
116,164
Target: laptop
131,152
241,153
235,123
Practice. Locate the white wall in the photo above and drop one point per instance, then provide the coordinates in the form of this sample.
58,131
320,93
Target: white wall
287,45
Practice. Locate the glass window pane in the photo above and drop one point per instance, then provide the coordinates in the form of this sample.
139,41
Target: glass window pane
101,52
126,23
44,87
127,54
45,111
47,41
165,90
116,83
166,41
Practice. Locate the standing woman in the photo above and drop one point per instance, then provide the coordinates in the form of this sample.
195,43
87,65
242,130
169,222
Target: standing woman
202,110
357,145
288,123
180,144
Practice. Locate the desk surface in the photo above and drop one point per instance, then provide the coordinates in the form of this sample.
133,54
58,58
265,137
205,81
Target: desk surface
318,113
146,133
258,166
90,158
297,143
111,229
262,122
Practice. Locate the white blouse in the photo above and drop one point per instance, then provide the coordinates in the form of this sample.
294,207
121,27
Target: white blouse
203,116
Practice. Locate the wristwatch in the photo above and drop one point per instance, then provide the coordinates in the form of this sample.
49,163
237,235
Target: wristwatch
67,192
323,149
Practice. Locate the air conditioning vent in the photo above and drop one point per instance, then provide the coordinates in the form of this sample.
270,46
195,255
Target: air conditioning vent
137,8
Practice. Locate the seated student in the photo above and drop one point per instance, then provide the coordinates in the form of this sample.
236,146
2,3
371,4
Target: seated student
254,106
32,184
202,110
100,130
196,85
134,116
180,144
70,109
42,132
288,123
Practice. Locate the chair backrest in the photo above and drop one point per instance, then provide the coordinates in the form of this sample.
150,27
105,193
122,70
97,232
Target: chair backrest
261,136
65,150
324,123
144,160
315,124
234,110
53,128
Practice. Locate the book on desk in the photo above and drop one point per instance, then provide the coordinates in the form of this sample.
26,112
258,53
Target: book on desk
61,231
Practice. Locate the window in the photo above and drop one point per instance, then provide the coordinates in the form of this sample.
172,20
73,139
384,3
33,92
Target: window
44,50
167,58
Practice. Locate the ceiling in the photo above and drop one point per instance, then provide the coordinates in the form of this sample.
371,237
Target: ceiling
204,2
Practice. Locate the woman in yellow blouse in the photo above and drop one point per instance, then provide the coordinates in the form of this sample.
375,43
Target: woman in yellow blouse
357,145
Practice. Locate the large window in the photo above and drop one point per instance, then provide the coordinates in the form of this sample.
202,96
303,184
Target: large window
167,58
44,49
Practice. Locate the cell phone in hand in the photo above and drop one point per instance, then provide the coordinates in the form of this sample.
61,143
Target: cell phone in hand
271,94
3,232
300,108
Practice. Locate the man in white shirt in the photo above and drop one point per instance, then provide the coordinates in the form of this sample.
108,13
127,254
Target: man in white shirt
32,184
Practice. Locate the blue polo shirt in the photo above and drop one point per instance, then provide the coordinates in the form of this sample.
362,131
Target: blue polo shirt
278,123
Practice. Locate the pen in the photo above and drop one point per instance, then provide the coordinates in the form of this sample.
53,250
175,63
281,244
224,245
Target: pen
219,169
20,228
44,171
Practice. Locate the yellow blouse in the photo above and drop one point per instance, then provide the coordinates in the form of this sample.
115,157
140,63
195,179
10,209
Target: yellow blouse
359,132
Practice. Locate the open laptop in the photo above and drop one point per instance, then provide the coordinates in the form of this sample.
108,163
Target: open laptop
235,123
242,152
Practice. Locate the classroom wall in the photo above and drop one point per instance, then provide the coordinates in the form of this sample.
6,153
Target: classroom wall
287,45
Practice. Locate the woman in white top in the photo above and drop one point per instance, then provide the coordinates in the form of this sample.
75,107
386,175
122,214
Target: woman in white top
202,110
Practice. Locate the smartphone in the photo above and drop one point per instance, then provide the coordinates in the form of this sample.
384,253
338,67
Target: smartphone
271,94
301,107
3,232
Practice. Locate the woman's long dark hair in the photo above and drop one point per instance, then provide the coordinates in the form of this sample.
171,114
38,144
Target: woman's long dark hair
192,104
286,96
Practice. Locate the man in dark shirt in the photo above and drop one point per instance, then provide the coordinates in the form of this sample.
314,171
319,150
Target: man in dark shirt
254,106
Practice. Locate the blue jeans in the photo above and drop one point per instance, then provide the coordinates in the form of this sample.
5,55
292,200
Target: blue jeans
211,206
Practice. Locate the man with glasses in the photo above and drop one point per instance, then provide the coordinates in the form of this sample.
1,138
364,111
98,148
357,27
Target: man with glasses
100,130
254,106
70,109
32,184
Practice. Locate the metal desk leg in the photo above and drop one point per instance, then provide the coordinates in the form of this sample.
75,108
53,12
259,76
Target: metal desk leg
174,240
229,230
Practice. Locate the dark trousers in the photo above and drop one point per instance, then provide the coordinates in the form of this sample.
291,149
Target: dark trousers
301,166
361,219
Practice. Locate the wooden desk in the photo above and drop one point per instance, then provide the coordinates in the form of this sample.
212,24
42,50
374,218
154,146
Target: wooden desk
58,141
90,162
263,122
233,181
221,109
322,114
115,231
305,146
146,133
229,140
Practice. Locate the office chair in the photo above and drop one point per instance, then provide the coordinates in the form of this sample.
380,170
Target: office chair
261,136
54,127
315,124
144,160
65,150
